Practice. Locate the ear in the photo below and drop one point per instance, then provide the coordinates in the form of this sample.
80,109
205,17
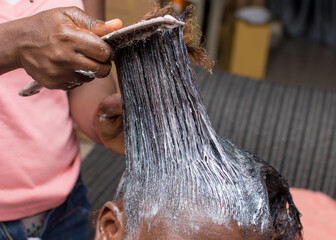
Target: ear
110,223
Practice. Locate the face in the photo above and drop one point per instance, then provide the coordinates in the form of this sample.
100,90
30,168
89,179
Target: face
111,226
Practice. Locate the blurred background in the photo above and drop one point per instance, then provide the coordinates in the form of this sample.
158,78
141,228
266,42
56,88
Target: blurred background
290,42
287,41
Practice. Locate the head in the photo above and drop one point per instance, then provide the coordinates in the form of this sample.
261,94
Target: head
198,224
189,224
112,221
183,181
176,216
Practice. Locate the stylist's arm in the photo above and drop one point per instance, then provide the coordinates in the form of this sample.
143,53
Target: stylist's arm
59,48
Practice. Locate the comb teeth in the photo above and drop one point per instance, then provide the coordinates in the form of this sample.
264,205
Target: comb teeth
141,30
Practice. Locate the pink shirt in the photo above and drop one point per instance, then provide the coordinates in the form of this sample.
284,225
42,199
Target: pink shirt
39,153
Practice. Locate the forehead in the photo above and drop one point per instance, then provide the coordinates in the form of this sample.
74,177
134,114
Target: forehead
198,230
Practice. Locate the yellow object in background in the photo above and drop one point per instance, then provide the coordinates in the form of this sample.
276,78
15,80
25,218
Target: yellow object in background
250,49
130,11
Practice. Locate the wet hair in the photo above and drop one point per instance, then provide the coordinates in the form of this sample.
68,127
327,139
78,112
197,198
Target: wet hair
175,161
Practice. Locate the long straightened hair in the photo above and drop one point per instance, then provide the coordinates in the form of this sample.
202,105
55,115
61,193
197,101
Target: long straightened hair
175,161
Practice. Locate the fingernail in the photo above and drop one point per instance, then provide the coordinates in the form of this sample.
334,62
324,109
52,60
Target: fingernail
115,21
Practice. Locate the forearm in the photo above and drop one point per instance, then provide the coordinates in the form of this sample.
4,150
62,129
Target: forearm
10,34
84,101
95,8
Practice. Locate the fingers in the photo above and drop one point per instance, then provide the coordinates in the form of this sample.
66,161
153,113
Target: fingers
90,68
72,72
80,18
87,31
90,45
114,24
68,53
98,27
102,29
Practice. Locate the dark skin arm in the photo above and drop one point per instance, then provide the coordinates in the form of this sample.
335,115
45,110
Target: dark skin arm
52,45
9,61
95,106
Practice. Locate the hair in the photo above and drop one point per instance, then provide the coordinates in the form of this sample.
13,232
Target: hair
175,161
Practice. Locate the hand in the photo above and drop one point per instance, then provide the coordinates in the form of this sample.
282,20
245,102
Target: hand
61,48
109,123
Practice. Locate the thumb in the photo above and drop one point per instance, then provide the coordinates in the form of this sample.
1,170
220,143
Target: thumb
103,28
98,27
